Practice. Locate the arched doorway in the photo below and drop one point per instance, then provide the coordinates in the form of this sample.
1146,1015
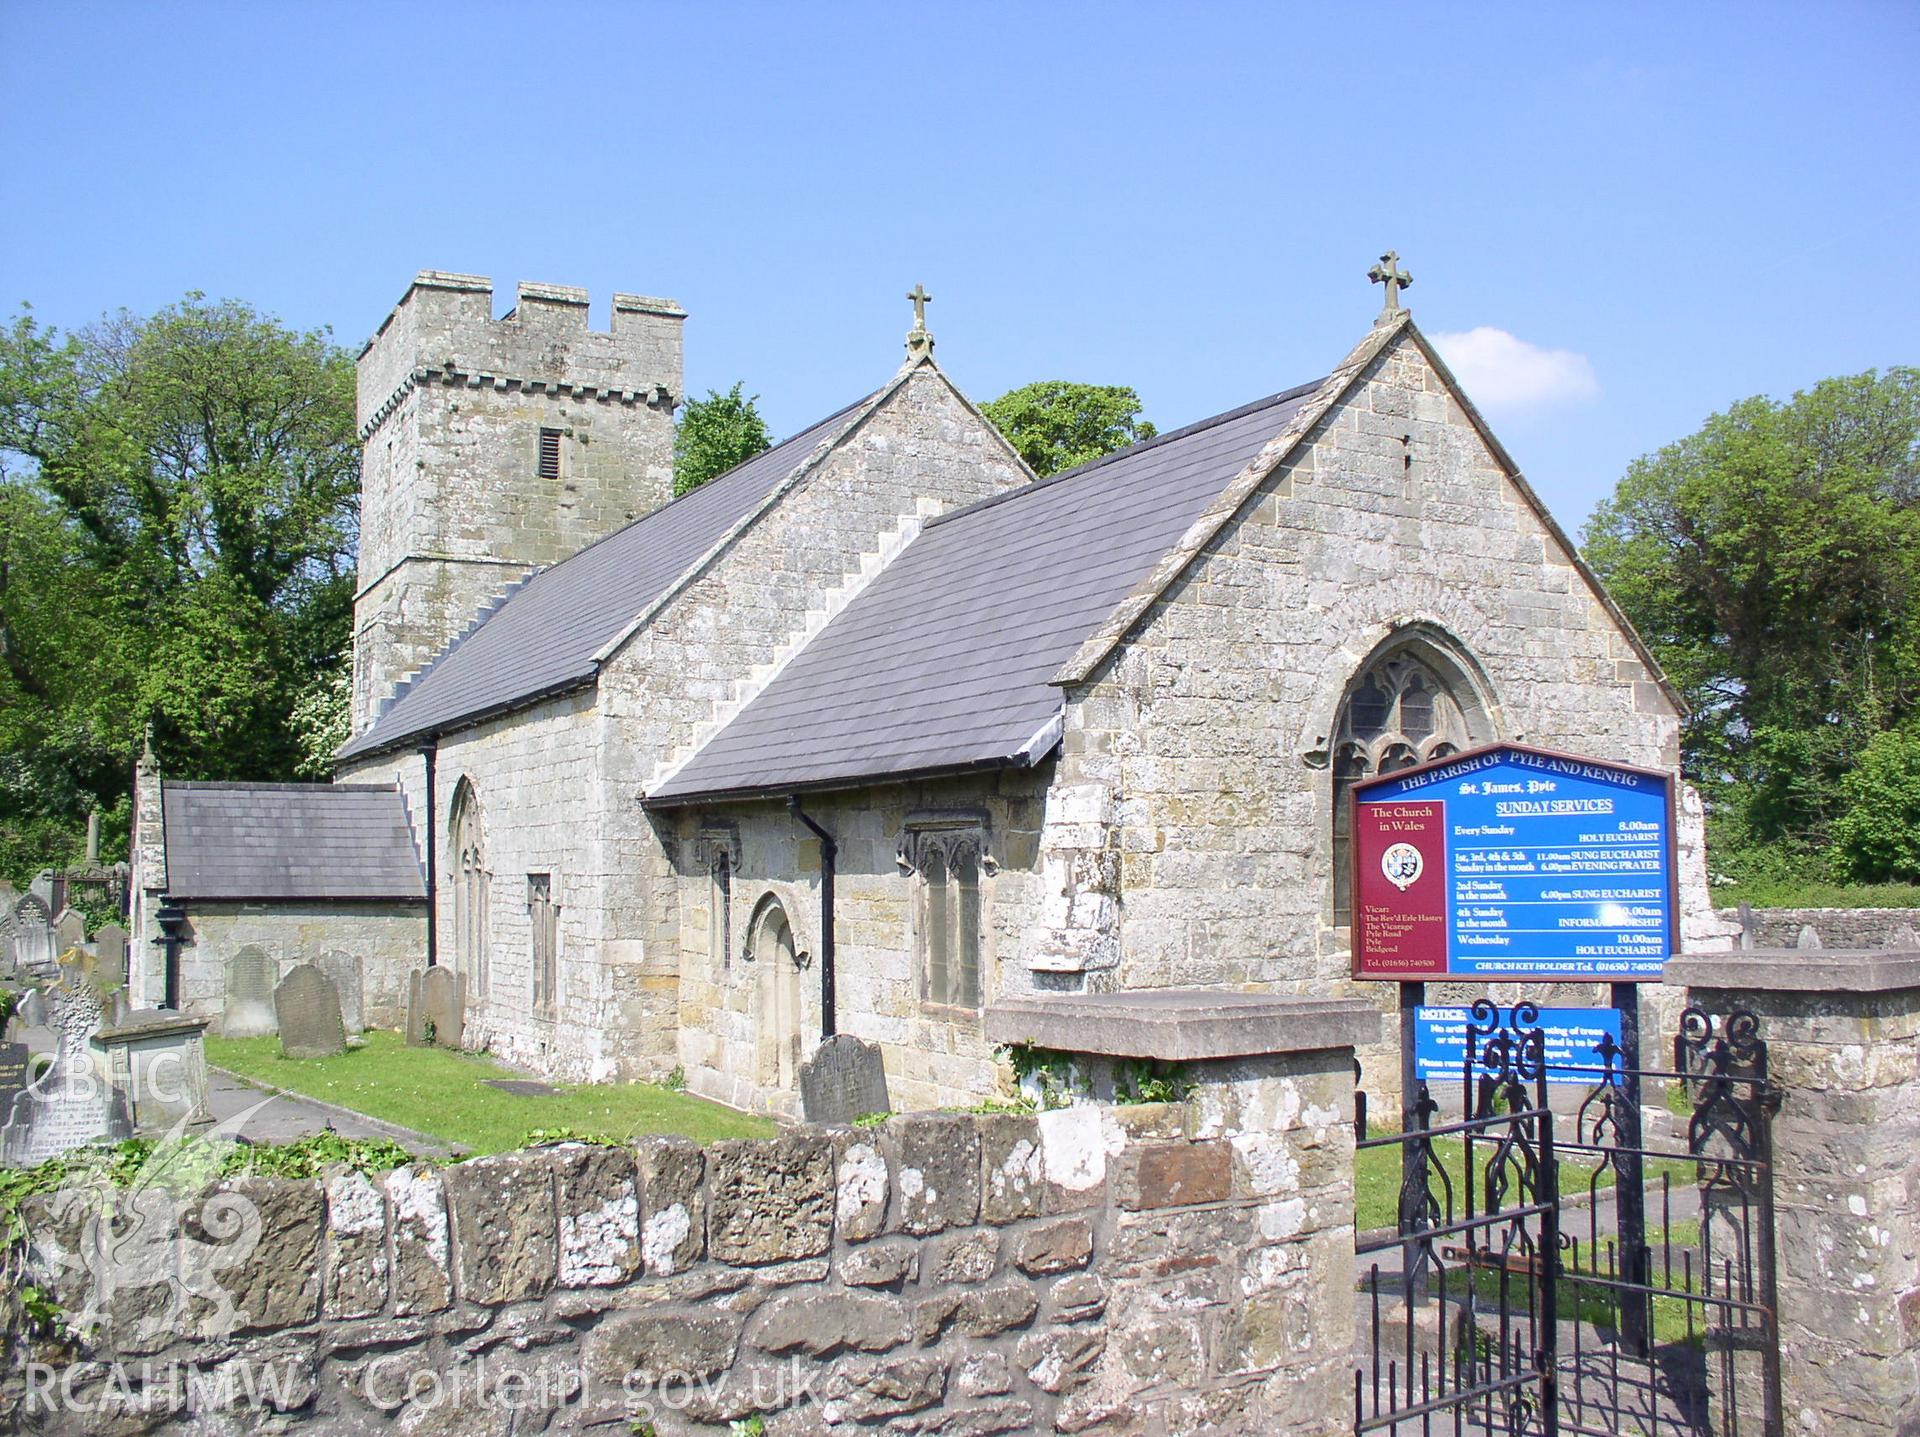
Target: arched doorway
471,887
776,958
1413,701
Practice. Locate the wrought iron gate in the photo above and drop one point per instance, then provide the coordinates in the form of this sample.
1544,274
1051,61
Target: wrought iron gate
1580,1273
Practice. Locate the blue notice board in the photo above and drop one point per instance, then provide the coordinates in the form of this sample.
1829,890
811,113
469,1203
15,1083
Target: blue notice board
1572,1034
1509,862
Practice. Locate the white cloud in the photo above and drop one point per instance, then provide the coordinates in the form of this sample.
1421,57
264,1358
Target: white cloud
1500,371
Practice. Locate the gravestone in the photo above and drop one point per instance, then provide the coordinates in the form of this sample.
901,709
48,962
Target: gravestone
308,1010
436,1007
344,971
72,1104
8,897
249,1009
110,946
70,931
32,1012
843,1080
13,1077
33,937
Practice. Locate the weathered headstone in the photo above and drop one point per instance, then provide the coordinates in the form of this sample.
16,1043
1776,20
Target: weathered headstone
436,1007
251,975
8,897
308,1010
843,1080
110,946
32,1012
33,937
157,1059
70,931
13,1077
344,970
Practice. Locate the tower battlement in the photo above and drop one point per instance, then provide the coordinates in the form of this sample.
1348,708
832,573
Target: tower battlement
492,447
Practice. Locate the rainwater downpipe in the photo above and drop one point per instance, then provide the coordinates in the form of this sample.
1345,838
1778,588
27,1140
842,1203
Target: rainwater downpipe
829,850
431,752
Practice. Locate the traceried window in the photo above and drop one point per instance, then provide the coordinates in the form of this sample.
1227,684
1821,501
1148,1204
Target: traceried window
543,917
1400,713
471,883
946,860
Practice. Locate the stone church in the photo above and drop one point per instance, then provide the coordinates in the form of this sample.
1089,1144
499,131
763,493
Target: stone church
877,728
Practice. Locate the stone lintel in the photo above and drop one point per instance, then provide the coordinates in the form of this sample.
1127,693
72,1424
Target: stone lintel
1183,1024
1800,970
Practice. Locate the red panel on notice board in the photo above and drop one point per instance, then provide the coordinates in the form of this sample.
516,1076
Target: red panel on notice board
1400,890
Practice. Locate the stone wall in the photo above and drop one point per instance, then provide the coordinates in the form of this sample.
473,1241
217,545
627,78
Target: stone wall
451,404
935,1055
388,939
1842,1030
1159,1269
1833,927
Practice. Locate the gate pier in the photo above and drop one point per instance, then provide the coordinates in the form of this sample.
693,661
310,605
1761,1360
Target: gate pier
1842,1029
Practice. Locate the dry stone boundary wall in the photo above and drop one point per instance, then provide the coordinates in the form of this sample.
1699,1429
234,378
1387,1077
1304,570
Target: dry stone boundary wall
1155,1268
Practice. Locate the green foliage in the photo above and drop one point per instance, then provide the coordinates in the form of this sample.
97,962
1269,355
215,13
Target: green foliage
871,1120
1772,563
1055,425
1148,1080
754,1426
715,434
676,1079
322,719
1053,1076
177,524
1876,839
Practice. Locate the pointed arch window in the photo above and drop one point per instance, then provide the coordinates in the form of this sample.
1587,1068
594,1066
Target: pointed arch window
1410,705
471,886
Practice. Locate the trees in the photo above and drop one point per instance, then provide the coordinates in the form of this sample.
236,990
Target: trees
179,496
714,434
1772,562
1055,425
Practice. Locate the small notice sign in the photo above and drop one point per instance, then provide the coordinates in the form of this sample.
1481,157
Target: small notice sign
1571,1034
1510,862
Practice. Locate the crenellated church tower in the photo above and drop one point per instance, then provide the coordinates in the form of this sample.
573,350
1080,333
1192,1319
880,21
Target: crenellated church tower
493,447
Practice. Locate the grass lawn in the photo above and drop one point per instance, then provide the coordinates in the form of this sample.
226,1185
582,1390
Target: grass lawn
1376,1178
445,1094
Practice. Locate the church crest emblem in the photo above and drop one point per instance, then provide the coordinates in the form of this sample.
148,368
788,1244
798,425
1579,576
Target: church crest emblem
1402,864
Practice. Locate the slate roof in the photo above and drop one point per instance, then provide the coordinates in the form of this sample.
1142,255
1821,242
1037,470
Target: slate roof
943,663
543,637
289,840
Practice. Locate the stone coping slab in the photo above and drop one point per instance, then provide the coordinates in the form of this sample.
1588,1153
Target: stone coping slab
145,1023
1800,970
1183,1024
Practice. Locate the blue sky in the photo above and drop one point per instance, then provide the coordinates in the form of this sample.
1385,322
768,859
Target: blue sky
1645,212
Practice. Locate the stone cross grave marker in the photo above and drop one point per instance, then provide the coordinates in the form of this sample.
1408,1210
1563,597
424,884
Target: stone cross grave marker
308,1009
249,1010
843,1080
436,1007
110,944
344,970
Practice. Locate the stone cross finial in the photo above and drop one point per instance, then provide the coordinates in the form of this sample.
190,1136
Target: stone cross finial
1389,273
919,341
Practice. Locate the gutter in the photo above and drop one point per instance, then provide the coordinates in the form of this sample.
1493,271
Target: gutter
829,851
